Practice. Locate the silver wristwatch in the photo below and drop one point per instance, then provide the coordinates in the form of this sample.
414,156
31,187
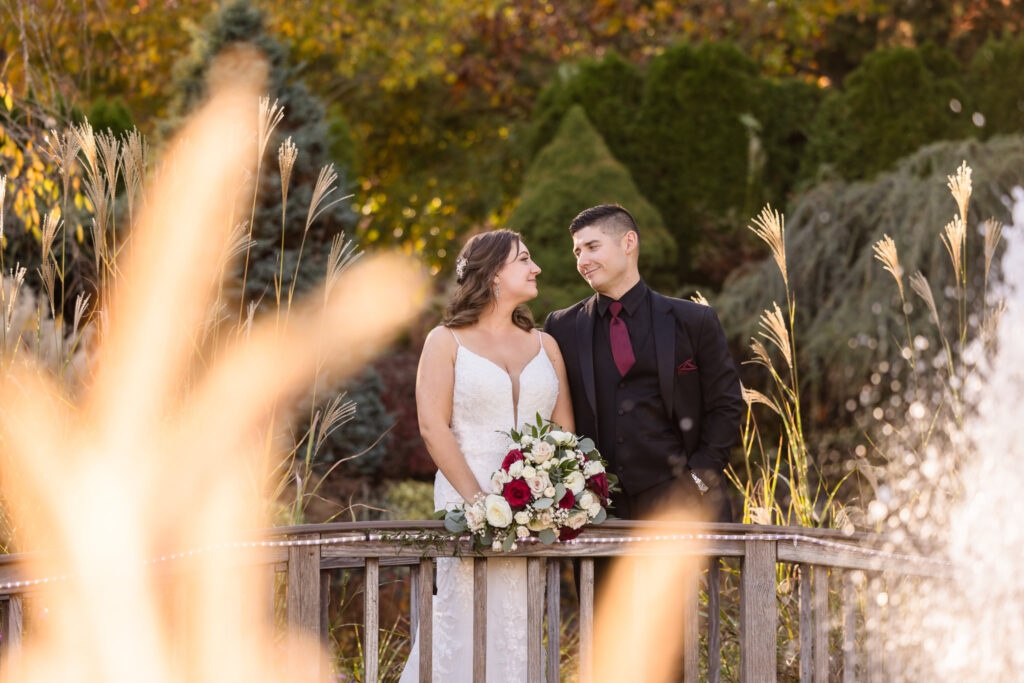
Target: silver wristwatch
701,486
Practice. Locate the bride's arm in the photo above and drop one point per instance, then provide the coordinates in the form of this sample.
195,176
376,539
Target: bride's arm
562,414
435,383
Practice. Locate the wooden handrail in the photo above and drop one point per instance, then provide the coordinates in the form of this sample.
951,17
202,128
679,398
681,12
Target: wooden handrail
305,553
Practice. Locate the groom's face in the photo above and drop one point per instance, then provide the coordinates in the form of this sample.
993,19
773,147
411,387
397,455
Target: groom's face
601,258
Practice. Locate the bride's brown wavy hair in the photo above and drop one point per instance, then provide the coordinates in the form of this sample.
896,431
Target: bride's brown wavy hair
479,261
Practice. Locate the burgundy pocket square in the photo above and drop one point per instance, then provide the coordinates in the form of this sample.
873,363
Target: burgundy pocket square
685,367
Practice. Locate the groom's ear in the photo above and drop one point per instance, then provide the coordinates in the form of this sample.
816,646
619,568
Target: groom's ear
630,242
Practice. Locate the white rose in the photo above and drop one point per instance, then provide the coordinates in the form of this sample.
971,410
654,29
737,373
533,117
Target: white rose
541,451
564,438
538,483
515,469
522,517
594,510
499,479
475,517
499,513
522,532
547,518
526,440
549,492
586,500
593,467
548,464
577,519
529,471
575,482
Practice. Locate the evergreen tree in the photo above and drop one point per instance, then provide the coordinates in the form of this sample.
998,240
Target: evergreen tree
305,122
994,81
692,146
897,101
574,172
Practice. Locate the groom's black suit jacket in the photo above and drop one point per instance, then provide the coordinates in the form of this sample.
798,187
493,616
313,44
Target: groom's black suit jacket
695,376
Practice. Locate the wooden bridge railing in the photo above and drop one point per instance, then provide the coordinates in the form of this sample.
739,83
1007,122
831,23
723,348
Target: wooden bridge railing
827,562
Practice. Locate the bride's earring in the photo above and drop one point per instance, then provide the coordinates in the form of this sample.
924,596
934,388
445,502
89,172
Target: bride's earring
497,288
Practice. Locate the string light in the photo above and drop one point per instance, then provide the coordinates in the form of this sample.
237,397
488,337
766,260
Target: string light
596,540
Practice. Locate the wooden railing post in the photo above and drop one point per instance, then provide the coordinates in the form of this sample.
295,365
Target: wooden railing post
554,593
758,615
714,622
821,624
426,610
10,646
303,609
479,620
806,625
371,615
850,581
534,619
586,619
691,625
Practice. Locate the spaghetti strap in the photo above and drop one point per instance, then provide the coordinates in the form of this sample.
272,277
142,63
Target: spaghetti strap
540,337
457,340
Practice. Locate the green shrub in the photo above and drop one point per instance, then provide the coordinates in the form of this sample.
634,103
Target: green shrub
106,114
897,101
610,92
367,436
574,172
994,82
409,499
692,145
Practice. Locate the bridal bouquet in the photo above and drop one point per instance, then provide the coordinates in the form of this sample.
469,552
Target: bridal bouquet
550,485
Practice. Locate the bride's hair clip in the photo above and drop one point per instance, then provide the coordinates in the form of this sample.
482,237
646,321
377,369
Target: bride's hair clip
460,268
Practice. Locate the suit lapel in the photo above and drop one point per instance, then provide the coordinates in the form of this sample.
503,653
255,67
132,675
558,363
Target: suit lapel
585,348
664,346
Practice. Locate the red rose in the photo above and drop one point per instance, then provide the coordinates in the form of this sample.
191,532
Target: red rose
568,500
514,455
517,493
599,485
568,533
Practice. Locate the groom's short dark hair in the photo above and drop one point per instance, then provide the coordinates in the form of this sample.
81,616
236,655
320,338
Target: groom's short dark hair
608,218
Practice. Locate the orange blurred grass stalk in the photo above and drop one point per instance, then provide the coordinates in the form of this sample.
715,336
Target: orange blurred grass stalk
148,457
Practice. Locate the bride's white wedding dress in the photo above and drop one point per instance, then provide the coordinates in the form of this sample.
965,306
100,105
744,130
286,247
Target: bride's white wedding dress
482,408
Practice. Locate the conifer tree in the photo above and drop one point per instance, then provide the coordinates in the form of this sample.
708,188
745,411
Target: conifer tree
574,172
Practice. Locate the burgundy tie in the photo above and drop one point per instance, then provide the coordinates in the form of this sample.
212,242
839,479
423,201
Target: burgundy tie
622,349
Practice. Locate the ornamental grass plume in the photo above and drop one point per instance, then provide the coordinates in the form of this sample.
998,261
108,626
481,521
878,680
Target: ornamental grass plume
699,298
960,185
953,237
993,233
286,155
770,226
64,148
885,251
774,330
134,161
3,193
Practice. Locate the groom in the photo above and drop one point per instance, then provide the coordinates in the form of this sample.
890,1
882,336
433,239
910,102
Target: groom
651,377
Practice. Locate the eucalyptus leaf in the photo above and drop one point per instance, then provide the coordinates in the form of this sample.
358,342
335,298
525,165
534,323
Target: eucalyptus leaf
559,492
601,516
439,514
547,536
586,445
509,540
543,503
455,526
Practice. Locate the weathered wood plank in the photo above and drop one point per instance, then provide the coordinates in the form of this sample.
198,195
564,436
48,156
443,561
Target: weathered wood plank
325,606
479,620
714,622
873,649
393,549
845,559
821,624
10,646
806,625
303,608
691,626
534,620
371,618
850,627
758,615
414,602
586,619
554,607
426,603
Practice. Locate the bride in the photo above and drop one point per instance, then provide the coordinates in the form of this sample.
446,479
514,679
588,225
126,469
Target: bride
483,372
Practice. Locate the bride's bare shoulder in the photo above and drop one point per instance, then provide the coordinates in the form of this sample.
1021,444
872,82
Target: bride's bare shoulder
440,341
